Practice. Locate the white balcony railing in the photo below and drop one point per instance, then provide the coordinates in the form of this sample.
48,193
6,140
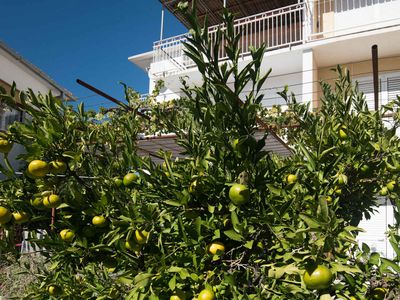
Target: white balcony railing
277,28
285,27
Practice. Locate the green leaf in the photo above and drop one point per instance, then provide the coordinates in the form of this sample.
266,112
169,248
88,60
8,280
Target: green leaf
375,258
233,235
249,244
142,279
198,226
310,160
235,222
172,203
312,223
323,206
278,272
172,283
338,267
395,245
274,190
125,280
388,264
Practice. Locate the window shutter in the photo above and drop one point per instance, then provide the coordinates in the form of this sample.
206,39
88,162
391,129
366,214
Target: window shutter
393,86
367,87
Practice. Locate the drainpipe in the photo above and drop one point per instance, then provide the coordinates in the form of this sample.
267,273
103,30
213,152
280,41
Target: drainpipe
375,74
162,23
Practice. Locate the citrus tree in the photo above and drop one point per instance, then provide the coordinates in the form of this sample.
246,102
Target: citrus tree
230,220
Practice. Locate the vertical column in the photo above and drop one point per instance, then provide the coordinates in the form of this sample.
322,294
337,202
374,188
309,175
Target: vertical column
308,19
310,79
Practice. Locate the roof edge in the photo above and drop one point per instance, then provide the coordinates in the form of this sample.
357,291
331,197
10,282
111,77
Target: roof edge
36,70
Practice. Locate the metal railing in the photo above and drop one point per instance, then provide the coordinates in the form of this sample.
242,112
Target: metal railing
276,28
284,27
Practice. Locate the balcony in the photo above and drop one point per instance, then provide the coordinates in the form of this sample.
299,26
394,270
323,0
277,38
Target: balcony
277,28
285,27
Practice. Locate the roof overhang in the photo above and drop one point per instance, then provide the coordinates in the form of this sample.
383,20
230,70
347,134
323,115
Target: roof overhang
213,8
151,145
142,60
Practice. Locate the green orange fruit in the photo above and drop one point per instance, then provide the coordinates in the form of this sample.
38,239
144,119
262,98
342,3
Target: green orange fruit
291,178
20,217
38,168
320,278
51,201
342,133
141,236
206,294
239,194
37,203
5,215
216,247
178,296
118,181
5,145
391,185
54,290
99,221
384,191
57,167
67,235
129,179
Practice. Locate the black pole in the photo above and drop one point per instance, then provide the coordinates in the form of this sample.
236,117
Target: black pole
375,74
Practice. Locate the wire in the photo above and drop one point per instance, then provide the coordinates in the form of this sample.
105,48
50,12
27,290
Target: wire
58,175
294,84
280,87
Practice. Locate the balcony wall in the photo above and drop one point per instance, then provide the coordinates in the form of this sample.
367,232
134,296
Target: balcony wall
340,17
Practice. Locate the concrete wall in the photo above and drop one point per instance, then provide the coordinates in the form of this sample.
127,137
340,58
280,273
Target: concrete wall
341,17
13,70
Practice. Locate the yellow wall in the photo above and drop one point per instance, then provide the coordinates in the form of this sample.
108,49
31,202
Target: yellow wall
358,69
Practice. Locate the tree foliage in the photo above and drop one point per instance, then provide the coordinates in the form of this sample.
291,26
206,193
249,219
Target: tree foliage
158,230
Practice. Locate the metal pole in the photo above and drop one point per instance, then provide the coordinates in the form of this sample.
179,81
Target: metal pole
374,50
108,97
224,3
162,23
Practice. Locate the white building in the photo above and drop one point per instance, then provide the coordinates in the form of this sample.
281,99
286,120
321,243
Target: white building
14,68
305,39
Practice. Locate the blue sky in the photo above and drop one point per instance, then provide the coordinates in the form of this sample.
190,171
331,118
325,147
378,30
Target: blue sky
90,40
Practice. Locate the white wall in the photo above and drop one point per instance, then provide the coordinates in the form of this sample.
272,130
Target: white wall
13,70
356,15
286,70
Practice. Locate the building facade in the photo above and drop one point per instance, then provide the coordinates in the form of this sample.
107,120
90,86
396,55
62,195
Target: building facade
305,39
14,68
